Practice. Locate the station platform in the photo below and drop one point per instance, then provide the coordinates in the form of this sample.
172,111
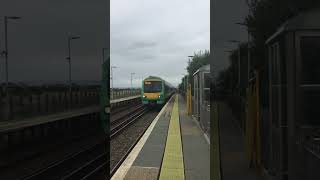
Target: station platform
173,147
15,125
44,119
233,153
124,99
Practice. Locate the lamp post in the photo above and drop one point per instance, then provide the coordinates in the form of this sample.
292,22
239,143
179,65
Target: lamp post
131,82
190,57
184,82
229,51
103,54
239,58
70,38
112,67
249,40
6,18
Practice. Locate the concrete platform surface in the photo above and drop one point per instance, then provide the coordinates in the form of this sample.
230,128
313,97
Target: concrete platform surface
196,149
234,161
148,161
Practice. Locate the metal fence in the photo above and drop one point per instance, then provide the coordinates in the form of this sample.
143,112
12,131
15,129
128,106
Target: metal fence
26,105
123,93
17,107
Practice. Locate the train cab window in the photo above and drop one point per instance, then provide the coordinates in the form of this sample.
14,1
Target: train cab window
310,79
152,86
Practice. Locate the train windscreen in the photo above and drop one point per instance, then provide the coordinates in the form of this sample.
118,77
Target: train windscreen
152,86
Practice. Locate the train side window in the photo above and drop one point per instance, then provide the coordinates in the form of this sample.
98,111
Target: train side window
310,60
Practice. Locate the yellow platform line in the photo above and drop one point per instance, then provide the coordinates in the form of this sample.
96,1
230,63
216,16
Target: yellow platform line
172,164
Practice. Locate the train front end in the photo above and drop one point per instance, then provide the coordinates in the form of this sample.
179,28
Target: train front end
152,92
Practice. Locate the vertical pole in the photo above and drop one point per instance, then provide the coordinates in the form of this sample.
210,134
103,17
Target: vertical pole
131,90
258,115
6,52
239,59
249,39
8,107
131,85
248,55
69,58
102,55
187,84
184,84
111,83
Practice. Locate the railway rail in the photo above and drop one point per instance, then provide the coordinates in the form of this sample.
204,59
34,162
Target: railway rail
118,110
54,168
118,164
124,121
92,160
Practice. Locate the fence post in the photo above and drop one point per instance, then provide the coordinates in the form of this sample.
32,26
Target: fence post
31,106
46,101
6,112
65,100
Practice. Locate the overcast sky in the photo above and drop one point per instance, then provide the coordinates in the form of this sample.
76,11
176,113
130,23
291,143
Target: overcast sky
38,41
147,37
156,37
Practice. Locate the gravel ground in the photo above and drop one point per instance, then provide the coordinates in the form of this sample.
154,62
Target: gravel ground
51,154
120,144
121,113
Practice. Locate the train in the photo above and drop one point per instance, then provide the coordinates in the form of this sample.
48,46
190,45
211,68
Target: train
155,91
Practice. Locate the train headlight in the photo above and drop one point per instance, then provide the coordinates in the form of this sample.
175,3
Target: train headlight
144,96
159,96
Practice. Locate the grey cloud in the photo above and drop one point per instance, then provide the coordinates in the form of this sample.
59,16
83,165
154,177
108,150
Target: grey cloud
38,41
156,37
142,44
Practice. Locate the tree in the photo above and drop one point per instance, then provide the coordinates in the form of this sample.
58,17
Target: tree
198,60
265,18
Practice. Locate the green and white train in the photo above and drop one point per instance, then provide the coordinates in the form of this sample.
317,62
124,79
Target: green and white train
155,91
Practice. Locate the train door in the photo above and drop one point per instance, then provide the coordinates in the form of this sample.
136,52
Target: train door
278,120
307,124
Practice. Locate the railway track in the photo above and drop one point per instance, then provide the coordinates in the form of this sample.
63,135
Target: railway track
92,160
122,108
124,121
114,169
57,169
121,114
